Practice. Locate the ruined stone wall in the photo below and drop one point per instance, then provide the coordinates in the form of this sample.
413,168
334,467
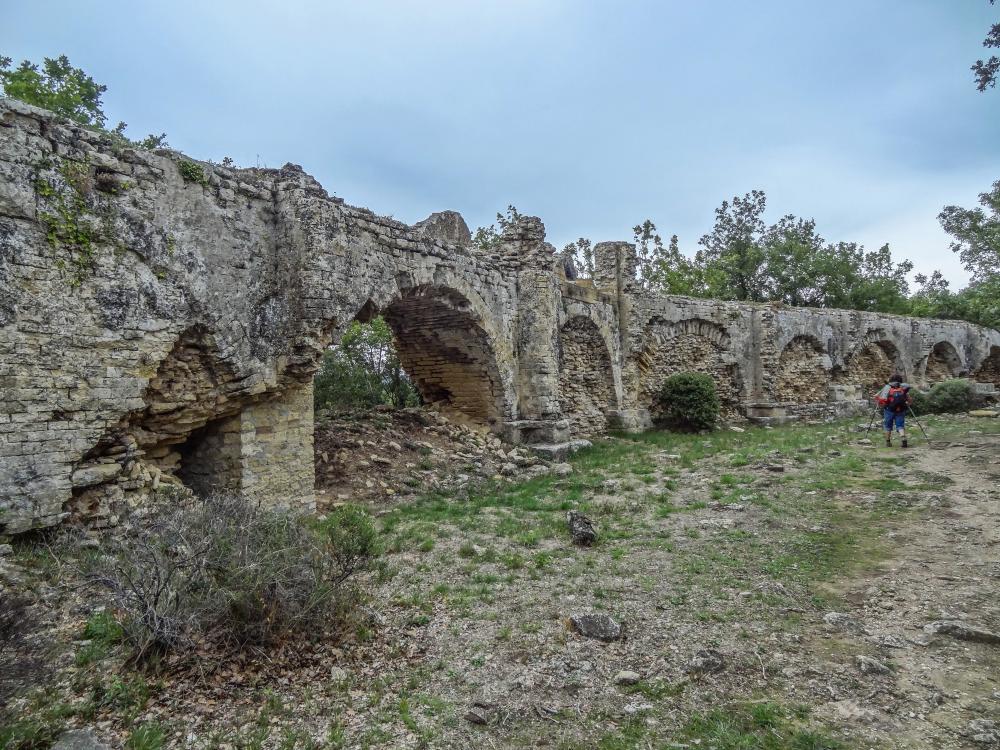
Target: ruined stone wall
784,362
161,320
586,380
989,370
803,372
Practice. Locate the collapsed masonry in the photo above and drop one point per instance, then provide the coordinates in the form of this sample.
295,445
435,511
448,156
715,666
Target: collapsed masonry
161,321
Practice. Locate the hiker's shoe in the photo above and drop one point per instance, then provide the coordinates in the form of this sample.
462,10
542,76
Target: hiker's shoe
888,443
904,442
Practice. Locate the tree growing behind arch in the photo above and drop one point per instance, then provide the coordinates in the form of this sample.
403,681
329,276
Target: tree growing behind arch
363,370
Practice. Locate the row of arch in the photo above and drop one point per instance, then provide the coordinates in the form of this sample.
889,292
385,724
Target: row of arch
804,372
457,361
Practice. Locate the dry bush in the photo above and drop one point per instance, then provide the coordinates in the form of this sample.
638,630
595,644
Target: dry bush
228,573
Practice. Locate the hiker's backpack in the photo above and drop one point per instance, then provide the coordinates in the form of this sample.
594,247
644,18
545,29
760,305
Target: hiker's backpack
895,399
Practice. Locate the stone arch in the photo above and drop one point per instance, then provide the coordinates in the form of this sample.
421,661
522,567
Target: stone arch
586,376
803,375
691,345
445,346
943,363
989,369
872,362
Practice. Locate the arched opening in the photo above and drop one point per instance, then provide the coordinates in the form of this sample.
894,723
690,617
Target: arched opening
989,370
369,449
943,363
693,345
586,382
803,377
182,429
871,365
445,349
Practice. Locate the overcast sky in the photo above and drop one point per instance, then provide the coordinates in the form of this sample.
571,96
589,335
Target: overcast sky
591,114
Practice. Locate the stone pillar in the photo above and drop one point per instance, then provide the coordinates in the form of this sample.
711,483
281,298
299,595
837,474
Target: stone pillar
615,265
539,416
276,450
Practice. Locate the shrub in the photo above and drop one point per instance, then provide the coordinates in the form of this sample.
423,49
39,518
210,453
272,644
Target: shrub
231,573
688,401
949,396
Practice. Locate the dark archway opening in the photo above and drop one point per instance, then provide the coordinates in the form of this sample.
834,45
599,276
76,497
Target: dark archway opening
943,363
989,370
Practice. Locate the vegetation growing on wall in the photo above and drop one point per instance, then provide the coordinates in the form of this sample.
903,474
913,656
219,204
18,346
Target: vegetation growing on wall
58,86
192,172
64,213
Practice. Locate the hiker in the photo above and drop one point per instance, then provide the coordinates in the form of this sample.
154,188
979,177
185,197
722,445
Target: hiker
894,398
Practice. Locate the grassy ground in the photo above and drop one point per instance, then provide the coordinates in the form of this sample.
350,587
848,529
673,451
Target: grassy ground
729,541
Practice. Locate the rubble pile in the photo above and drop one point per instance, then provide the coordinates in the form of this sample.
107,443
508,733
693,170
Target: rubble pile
378,455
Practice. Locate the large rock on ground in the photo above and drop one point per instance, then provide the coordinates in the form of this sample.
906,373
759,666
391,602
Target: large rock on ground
598,625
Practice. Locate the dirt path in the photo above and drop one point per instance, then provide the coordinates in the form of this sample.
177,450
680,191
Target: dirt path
941,692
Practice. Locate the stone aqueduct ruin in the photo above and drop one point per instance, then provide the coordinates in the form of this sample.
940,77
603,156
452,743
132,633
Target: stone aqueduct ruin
161,322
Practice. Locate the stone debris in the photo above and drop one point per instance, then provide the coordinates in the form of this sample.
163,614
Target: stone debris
79,739
581,528
843,622
707,661
379,454
984,732
962,631
599,626
480,713
626,677
869,666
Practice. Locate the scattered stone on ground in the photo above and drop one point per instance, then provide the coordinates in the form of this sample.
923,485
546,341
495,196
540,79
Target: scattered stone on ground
599,626
962,631
581,528
626,677
867,665
414,451
79,739
707,661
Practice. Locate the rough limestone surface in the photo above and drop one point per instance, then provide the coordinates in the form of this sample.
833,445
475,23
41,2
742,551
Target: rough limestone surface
161,320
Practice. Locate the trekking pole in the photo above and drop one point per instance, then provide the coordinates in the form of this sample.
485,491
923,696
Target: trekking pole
872,420
914,415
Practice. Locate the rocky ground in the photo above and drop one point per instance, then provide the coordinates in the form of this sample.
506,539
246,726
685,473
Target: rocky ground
381,456
793,587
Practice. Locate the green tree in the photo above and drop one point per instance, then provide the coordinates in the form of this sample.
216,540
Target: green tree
489,238
797,267
732,253
977,234
986,71
57,86
363,370
675,273
582,254
868,279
